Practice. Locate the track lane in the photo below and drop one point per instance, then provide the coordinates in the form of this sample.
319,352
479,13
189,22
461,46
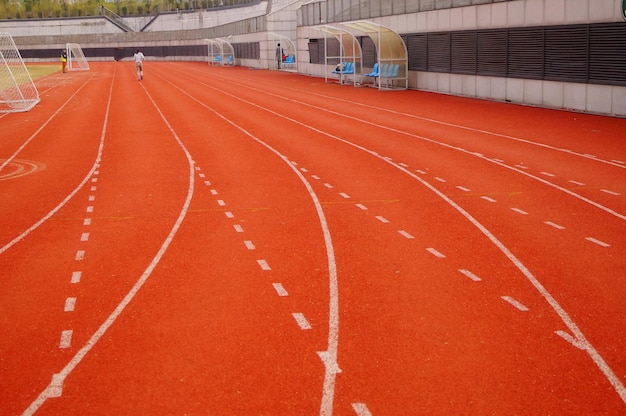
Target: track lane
300,136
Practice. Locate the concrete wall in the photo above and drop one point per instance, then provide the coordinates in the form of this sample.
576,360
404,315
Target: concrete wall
591,98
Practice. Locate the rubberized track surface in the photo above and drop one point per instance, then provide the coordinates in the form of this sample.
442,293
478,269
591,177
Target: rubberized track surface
225,241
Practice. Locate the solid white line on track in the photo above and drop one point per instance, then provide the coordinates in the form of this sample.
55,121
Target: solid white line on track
575,342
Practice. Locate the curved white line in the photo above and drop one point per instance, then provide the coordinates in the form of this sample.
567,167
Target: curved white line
329,357
567,320
57,379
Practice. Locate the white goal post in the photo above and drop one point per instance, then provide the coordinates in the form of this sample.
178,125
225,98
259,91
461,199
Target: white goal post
17,90
76,60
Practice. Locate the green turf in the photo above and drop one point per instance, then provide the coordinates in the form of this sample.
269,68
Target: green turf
38,71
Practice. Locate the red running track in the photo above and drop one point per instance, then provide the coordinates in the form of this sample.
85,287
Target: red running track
227,241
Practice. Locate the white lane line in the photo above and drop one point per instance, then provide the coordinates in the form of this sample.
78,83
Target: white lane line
488,199
440,179
197,168
404,165
93,188
470,275
76,277
229,214
70,305
598,242
329,186
249,245
87,221
344,195
362,207
238,228
462,188
581,345
305,170
264,265
551,224
213,192
519,211
548,174
89,208
202,175
66,339
521,166
301,320
421,172
84,237
221,203
315,177
207,183
382,219
91,198
94,180
405,234
577,183
80,255
280,289
361,409
435,253
517,304
608,191
621,162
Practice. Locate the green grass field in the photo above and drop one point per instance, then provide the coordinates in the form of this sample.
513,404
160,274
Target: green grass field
38,71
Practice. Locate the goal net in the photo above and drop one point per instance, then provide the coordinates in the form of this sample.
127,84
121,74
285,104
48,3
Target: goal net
17,90
76,60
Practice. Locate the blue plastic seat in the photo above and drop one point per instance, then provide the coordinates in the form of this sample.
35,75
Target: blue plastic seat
374,72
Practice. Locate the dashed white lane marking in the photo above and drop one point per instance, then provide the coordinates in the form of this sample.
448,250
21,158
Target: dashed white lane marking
519,211
202,175
329,186
305,170
89,208
362,207
577,183
301,320
344,195
315,177
435,253
462,188
621,162
442,180
92,198
221,203
517,304
249,245
87,221
264,265
93,188
361,409
80,255
229,214
404,165
66,338
470,275
84,237
548,174
76,277
238,228
421,172
405,234
280,289
598,242
382,219
488,199
569,338
608,191
557,226
521,166
207,183
70,305
213,192
94,180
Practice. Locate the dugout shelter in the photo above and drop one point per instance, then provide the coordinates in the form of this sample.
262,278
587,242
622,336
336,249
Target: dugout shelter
347,50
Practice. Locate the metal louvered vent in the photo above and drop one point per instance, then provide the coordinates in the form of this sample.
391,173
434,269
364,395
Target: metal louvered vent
526,58
463,50
566,52
417,48
492,52
607,54
439,52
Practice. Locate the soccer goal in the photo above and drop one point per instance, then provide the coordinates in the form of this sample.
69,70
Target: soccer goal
17,90
76,60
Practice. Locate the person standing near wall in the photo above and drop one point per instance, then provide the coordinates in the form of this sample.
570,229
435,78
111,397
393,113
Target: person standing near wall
64,60
139,58
279,55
